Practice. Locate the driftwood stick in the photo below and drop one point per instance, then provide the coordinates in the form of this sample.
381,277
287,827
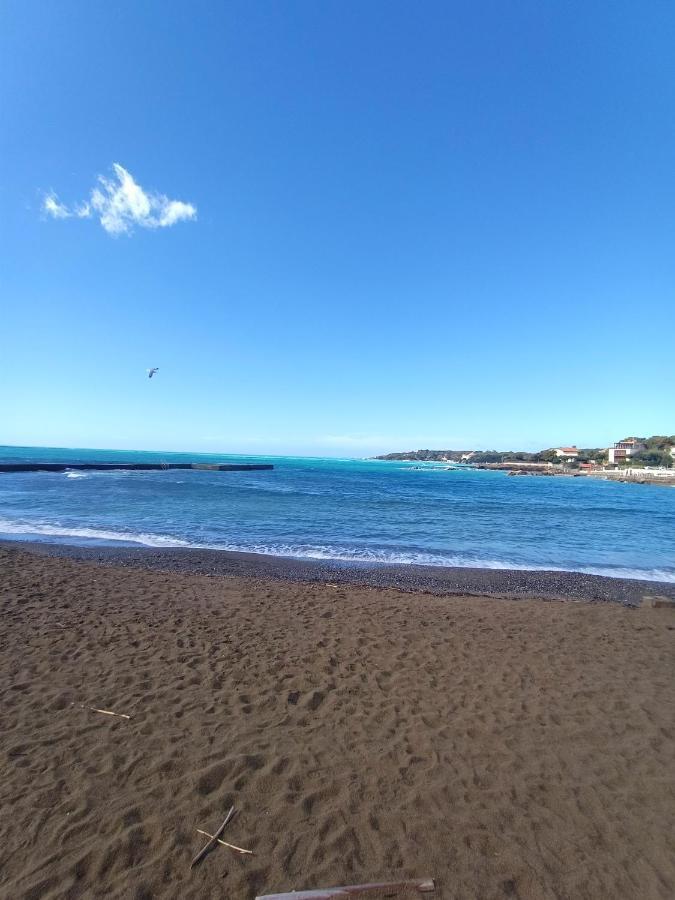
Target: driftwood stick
390,889
214,840
107,712
224,843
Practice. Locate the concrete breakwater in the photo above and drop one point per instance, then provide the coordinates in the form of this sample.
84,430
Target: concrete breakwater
634,477
645,477
131,467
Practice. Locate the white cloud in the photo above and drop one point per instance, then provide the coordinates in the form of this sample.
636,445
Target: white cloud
120,204
55,209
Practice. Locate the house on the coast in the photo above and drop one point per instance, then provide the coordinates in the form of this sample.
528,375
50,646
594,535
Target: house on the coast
622,451
566,452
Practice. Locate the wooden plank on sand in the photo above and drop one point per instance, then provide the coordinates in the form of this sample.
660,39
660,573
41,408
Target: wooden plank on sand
383,888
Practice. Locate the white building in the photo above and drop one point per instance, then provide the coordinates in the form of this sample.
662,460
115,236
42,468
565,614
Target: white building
622,451
566,452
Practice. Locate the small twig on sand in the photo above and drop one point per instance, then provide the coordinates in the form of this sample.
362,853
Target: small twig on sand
214,840
224,843
107,712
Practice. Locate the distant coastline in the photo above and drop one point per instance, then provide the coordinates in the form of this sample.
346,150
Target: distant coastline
640,460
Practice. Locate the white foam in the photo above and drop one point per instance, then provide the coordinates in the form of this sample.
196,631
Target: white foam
624,572
45,529
321,552
378,556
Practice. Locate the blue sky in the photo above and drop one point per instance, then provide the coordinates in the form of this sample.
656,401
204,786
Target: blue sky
404,225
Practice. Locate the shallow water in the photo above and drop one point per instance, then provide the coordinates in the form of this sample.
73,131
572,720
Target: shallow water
361,510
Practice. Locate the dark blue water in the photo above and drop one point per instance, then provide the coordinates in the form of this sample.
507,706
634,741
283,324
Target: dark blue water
348,510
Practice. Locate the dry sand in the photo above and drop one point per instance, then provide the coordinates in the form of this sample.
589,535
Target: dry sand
505,748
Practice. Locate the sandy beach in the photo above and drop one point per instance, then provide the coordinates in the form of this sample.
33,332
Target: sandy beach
505,748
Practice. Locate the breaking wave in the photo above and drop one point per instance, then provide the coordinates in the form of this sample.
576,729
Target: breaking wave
44,529
363,556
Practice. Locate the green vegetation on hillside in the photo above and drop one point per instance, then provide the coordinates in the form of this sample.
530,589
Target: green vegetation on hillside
657,453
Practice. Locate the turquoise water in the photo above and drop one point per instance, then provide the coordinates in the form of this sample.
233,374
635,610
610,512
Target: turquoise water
351,510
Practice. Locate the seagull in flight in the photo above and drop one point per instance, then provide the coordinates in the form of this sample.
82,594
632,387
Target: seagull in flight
151,372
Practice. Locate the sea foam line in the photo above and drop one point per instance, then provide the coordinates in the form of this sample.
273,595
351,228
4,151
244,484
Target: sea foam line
48,530
366,555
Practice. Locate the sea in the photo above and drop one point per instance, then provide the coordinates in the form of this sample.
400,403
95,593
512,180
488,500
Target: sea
351,510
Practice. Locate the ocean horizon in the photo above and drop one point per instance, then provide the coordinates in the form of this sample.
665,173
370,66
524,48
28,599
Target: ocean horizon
353,511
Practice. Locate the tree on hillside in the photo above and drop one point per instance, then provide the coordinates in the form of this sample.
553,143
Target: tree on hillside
653,457
592,454
660,442
546,456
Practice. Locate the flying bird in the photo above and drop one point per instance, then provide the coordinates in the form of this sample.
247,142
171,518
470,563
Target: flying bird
151,372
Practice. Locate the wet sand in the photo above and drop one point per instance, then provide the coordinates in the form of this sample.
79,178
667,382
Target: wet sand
505,748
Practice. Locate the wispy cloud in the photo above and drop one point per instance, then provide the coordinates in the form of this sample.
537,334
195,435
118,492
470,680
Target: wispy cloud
55,209
120,204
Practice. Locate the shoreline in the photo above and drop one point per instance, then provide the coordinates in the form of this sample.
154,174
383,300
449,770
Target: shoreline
437,580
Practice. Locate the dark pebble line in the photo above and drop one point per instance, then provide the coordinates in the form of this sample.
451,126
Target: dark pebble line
509,583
